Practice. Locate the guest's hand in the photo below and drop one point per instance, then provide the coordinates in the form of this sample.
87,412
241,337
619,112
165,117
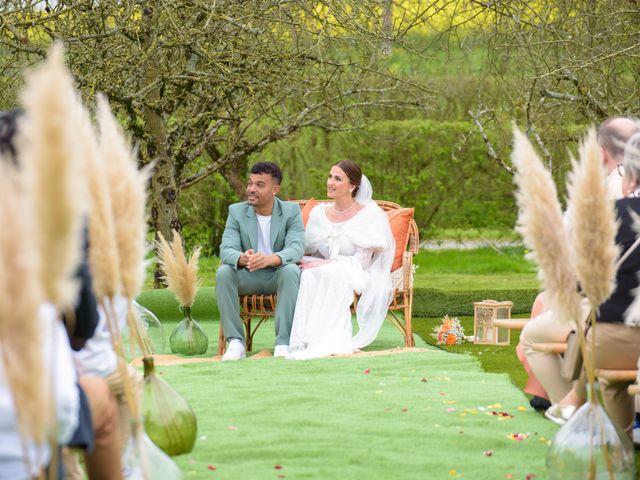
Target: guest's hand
317,263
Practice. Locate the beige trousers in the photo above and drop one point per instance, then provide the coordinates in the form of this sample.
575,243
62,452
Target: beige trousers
546,328
617,348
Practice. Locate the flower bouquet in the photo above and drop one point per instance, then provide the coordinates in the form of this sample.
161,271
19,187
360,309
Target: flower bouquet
450,332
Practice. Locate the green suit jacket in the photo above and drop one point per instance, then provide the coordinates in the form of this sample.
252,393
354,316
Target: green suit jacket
241,232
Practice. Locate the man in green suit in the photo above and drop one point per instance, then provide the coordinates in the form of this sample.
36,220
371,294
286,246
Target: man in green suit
262,241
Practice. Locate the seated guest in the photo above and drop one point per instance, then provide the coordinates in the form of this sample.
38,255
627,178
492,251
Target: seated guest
618,344
21,455
87,414
540,399
545,328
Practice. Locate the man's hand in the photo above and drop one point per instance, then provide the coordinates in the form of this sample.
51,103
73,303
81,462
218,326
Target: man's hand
244,258
259,260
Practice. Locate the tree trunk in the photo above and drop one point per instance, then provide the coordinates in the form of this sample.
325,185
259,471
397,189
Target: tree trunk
164,190
234,173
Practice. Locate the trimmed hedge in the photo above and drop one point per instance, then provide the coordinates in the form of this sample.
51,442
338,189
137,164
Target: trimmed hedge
430,302
427,302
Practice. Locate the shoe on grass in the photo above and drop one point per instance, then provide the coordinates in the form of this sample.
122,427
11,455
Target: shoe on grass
281,351
235,351
559,414
539,403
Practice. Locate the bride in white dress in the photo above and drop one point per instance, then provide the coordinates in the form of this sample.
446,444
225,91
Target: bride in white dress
349,247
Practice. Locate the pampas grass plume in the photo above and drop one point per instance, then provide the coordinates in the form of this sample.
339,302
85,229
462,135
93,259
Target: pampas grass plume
181,275
103,252
49,153
593,223
127,187
21,295
541,225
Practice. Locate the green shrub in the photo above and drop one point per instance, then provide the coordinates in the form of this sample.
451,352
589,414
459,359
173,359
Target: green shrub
430,302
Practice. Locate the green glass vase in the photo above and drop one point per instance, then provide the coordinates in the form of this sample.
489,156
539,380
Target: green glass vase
188,338
590,446
143,460
152,327
168,419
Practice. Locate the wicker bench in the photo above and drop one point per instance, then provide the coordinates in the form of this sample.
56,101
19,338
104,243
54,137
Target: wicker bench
261,307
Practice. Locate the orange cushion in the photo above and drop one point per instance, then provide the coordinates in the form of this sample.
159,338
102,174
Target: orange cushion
306,210
400,219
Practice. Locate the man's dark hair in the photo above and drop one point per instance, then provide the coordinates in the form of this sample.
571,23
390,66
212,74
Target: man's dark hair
269,168
8,129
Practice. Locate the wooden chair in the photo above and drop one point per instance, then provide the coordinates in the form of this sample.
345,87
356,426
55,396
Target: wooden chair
400,311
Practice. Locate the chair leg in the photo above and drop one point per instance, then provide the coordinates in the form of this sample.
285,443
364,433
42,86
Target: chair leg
409,341
221,341
247,333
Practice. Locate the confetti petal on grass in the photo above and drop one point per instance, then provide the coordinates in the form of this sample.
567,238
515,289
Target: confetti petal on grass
367,371
232,427
522,409
451,409
277,466
502,415
211,467
518,437
530,476
452,472
488,453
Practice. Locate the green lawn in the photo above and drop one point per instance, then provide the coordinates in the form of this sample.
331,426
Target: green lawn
428,414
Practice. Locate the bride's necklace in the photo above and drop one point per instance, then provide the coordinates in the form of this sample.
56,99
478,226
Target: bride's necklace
340,212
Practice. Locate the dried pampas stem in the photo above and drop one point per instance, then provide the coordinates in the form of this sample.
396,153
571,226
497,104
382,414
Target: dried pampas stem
48,151
541,225
21,337
593,224
181,275
127,191
103,251
127,186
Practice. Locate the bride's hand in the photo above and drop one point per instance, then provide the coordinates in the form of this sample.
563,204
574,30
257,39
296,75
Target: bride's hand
317,263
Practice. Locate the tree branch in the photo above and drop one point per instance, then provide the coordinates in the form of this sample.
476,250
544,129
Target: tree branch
491,153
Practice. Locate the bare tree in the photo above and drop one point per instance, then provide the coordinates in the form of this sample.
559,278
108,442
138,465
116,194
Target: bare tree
201,85
561,63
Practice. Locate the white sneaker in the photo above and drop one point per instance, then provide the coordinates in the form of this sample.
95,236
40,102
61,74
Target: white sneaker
235,351
281,351
559,414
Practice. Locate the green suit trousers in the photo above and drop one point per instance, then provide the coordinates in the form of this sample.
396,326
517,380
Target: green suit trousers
230,283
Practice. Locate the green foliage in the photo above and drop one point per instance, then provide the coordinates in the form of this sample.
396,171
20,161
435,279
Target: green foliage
474,261
430,302
437,167
203,213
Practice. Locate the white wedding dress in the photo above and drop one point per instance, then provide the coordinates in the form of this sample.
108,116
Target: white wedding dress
361,251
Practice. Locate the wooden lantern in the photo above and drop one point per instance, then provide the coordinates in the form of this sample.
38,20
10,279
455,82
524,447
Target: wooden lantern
484,313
